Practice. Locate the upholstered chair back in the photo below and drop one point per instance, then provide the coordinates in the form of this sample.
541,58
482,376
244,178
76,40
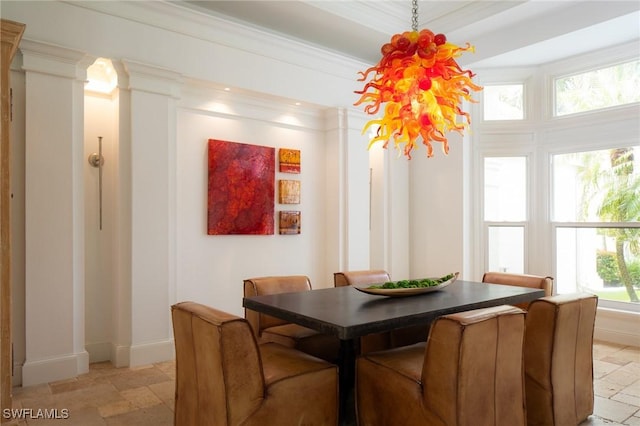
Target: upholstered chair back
224,378
558,357
219,378
468,373
473,368
521,280
363,277
271,285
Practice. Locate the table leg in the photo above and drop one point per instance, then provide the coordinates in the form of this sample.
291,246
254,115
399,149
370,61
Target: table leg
347,365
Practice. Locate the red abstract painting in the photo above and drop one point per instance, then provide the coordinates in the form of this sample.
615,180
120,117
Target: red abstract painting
241,188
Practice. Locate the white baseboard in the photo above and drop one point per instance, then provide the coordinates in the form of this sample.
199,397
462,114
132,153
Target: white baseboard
82,362
149,353
120,355
99,352
614,336
136,355
616,326
53,369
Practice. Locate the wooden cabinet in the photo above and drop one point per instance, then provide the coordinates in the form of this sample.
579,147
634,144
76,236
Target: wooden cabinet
11,35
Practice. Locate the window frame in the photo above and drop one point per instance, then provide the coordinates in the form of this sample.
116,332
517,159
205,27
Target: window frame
556,77
525,240
624,52
539,136
525,109
525,77
525,224
555,225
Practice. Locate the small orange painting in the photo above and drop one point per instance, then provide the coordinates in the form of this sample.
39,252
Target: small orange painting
289,160
289,222
289,191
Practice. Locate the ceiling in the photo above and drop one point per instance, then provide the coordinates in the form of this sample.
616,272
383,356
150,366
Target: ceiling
504,33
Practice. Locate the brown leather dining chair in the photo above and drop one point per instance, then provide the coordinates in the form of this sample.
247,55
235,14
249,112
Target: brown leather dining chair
271,329
468,373
363,277
224,378
558,359
521,280
374,342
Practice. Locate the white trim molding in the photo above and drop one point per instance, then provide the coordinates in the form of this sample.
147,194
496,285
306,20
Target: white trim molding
617,326
53,369
148,353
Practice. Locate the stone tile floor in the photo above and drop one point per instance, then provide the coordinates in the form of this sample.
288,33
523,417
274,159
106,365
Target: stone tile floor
105,395
145,395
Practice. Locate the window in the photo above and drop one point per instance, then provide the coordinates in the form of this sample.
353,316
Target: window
503,102
505,206
555,196
597,89
506,249
596,212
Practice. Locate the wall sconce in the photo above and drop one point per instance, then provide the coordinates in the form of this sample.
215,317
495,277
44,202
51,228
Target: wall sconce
97,160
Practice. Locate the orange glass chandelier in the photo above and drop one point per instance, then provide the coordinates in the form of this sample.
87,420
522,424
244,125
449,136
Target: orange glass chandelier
422,88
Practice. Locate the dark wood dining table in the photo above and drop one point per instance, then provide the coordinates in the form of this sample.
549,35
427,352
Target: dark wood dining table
348,314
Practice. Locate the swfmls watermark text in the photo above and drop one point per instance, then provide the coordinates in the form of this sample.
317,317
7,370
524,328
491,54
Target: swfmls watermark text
35,413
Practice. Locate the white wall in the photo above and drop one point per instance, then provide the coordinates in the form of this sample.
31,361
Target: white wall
436,197
211,268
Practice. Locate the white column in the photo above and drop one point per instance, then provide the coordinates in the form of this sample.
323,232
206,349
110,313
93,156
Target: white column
153,93
347,191
390,211
54,217
121,296
357,192
399,214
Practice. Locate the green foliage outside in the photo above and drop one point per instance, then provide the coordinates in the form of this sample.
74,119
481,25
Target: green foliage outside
613,188
608,270
607,267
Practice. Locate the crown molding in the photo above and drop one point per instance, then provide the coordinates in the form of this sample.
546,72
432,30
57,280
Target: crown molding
50,59
174,17
152,79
